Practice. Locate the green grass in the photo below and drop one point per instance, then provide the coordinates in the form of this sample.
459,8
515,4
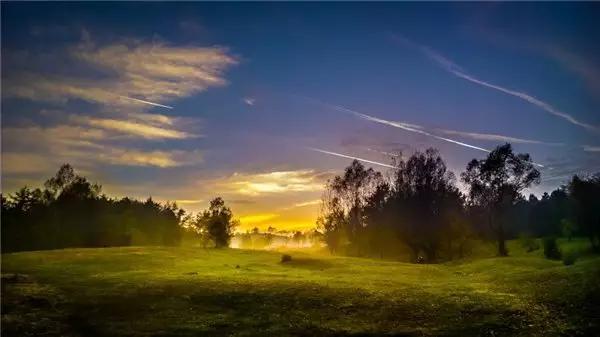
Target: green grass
157,291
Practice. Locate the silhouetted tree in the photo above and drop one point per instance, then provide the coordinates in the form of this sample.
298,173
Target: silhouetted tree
586,203
332,222
350,192
217,223
495,184
425,202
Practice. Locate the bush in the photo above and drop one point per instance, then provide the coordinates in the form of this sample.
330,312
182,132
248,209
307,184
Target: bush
569,258
551,250
286,258
529,243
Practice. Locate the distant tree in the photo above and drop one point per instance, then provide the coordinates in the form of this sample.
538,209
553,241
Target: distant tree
585,193
217,223
332,222
496,183
298,238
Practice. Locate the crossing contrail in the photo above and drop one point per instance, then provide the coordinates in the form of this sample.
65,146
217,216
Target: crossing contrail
406,126
146,102
351,157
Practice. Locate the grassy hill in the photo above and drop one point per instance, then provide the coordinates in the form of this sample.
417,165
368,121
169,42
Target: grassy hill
157,291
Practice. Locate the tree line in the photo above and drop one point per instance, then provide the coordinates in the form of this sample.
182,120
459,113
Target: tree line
418,208
70,211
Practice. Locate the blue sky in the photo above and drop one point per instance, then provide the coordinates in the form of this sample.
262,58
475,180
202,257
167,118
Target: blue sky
250,90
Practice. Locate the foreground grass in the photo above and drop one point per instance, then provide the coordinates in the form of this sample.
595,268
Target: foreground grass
154,291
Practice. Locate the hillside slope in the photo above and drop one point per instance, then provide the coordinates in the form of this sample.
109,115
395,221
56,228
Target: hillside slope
155,291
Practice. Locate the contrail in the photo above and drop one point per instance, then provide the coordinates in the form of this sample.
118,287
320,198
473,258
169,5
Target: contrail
351,157
146,102
457,71
403,126
408,127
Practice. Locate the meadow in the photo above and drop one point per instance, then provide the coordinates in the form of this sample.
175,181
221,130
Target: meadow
159,291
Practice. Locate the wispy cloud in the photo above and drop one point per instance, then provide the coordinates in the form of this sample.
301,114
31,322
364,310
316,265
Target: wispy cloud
585,68
135,128
272,182
83,145
591,148
341,155
249,100
495,137
140,72
459,72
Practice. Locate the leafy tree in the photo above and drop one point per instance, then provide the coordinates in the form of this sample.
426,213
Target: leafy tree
217,223
496,183
352,190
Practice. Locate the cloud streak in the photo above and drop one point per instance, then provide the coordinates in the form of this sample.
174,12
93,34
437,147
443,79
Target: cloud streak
457,71
494,137
350,157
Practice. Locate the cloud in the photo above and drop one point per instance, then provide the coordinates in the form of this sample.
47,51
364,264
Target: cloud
494,137
308,203
249,100
132,157
123,74
24,163
273,182
457,71
351,157
591,148
583,67
189,201
302,204
134,128
82,145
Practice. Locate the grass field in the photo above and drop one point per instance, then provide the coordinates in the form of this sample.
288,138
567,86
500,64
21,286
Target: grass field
156,291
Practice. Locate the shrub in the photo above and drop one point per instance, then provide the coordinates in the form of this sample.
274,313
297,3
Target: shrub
551,250
286,258
529,243
569,258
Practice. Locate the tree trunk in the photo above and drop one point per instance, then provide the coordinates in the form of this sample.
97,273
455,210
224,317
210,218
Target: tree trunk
502,251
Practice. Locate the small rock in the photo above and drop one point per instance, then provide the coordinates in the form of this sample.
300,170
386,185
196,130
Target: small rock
237,266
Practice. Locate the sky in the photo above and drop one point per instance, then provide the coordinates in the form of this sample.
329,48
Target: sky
262,103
